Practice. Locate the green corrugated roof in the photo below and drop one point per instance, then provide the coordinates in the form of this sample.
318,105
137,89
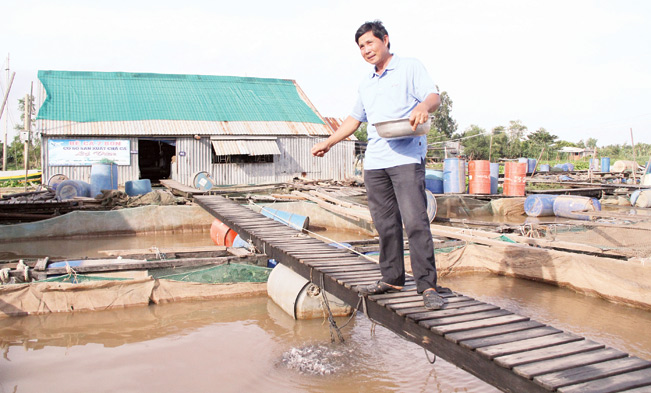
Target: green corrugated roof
123,96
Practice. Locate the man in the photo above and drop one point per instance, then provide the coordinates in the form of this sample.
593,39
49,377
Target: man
394,169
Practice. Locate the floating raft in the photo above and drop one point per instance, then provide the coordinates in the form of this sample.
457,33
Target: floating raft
509,351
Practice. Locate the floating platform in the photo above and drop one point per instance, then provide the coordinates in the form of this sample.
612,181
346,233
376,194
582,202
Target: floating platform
507,350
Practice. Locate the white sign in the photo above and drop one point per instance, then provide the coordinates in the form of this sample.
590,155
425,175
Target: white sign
63,152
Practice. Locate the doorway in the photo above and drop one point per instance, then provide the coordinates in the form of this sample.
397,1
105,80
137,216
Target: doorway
155,158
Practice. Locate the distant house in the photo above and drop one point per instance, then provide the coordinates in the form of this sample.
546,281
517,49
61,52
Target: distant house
156,126
577,153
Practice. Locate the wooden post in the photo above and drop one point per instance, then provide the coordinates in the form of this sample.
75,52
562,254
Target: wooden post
634,159
2,109
28,126
490,148
539,157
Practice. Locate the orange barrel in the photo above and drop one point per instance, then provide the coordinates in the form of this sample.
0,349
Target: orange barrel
479,177
515,174
221,234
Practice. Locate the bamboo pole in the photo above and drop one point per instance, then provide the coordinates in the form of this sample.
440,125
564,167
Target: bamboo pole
2,110
634,159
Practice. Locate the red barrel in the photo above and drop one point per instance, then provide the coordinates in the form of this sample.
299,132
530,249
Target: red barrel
221,234
515,174
479,177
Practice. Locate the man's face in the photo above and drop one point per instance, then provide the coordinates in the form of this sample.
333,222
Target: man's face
373,49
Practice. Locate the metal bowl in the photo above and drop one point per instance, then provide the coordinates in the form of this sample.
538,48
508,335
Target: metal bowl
401,128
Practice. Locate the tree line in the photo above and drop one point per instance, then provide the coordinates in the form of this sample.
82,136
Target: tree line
512,141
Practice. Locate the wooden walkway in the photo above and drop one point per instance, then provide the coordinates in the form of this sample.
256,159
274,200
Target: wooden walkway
509,351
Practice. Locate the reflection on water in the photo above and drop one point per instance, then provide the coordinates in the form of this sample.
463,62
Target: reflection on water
252,345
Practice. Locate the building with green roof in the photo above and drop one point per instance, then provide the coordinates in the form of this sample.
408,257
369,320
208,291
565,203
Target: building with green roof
237,130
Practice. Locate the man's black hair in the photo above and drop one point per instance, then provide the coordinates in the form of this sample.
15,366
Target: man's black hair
376,27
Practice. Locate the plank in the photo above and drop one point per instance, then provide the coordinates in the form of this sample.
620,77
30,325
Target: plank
473,317
517,359
612,384
532,370
419,314
459,327
591,372
447,312
509,337
529,344
350,268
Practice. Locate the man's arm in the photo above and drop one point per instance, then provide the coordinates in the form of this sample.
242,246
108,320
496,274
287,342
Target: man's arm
346,129
421,112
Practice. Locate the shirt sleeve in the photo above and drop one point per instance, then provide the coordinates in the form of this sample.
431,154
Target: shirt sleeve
358,113
423,85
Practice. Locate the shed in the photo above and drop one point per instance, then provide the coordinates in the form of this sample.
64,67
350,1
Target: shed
240,130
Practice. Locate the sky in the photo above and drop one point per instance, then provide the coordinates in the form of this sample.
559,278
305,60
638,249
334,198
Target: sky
579,69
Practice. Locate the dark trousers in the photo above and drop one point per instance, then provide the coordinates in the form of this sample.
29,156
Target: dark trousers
396,196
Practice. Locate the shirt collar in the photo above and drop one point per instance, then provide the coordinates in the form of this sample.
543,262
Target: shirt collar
393,63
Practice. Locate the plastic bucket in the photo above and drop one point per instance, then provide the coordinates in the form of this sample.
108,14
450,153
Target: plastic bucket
454,176
634,196
539,205
543,168
55,180
515,174
295,221
434,181
431,206
479,177
570,206
644,199
221,234
495,177
69,189
202,181
103,177
137,187
605,164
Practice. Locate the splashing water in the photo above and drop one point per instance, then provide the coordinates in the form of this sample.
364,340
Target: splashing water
317,359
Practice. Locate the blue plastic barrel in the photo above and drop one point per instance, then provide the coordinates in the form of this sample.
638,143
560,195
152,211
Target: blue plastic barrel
69,189
238,242
531,165
434,181
605,164
137,187
202,181
454,176
539,205
543,168
295,221
570,206
431,206
495,176
103,177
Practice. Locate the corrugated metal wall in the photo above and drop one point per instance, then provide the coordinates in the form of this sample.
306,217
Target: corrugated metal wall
125,173
194,155
295,160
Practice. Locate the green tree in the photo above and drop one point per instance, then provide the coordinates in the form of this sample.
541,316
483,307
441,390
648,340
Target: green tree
477,146
361,134
443,121
35,148
591,143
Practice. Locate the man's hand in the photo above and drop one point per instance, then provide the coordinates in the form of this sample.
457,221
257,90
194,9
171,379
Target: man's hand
320,149
419,115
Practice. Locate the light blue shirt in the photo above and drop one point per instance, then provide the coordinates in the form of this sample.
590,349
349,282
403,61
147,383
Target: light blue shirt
390,96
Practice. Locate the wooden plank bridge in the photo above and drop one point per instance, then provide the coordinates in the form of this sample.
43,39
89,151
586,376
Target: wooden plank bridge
509,351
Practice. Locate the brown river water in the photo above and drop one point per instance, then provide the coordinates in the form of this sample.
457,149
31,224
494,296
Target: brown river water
251,345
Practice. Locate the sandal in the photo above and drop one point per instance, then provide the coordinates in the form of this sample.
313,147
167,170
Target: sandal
378,288
432,300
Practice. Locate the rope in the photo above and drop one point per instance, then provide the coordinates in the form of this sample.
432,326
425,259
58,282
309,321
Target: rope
427,356
333,324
